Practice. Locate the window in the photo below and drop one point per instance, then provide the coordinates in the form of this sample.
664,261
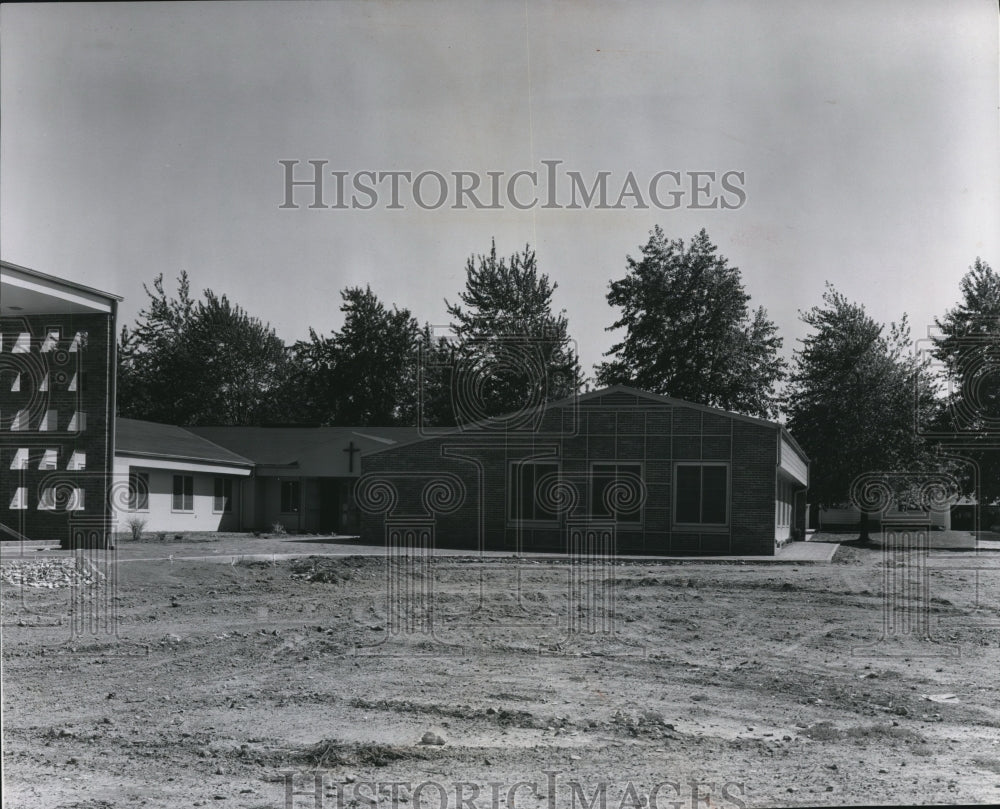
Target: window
20,421
47,500
23,344
183,493
19,501
527,483
20,459
616,491
784,504
77,461
78,423
79,341
75,501
138,490
50,460
701,494
72,384
51,342
43,386
223,495
50,420
15,386
289,497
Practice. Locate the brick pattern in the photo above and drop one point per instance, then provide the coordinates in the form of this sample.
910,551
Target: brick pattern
615,428
55,369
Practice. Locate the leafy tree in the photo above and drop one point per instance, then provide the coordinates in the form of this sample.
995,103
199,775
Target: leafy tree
855,394
194,362
432,378
362,374
968,348
689,332
510,349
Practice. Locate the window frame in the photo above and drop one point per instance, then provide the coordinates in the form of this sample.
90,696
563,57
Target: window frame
227,484
514,485
133,492
183,495
47,499
298,496
639,512
19,502
702,527
21,459
78,502
49,460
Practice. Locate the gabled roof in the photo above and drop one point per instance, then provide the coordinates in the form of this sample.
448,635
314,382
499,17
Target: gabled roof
706,408
583,398
285,446
147,439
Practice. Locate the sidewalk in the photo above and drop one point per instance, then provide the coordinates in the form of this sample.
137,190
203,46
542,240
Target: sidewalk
232,550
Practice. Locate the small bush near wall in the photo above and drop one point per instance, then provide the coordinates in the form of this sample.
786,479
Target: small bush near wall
135,526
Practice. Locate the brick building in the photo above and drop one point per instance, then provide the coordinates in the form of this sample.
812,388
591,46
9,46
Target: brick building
616,469
57,404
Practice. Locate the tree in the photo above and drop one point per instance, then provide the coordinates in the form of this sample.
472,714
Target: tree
196,362
363,374
855,394
431,380
511,351
968,348
689,332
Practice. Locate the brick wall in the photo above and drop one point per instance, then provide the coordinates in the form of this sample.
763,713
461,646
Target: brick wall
56,367
472,471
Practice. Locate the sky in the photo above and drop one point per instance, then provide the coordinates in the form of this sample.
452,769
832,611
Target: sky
139,139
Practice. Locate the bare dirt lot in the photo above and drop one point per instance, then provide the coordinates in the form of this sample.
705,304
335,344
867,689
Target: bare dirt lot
313,682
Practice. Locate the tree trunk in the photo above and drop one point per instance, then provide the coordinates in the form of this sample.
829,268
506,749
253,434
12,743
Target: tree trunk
864,536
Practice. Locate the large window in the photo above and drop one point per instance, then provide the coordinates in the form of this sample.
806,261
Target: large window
223,502
701,495
183,493
138,490
784,504
290,497
526,491
616,491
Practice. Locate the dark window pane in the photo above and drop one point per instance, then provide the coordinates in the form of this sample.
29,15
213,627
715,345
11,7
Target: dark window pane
630,479
223,494
178,504
687,509
524,491
714,496
527,492
139,491
544,478
290,496
603,475
513,495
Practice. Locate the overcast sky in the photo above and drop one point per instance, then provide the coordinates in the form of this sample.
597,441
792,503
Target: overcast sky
144,139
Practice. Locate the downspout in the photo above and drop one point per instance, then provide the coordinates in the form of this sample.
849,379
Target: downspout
112,418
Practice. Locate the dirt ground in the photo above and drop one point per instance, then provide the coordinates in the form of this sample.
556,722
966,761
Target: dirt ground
317,682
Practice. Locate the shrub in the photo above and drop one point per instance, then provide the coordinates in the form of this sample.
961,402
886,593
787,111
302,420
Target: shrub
135,526
278,529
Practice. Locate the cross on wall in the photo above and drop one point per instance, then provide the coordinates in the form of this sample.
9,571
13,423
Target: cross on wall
350,449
